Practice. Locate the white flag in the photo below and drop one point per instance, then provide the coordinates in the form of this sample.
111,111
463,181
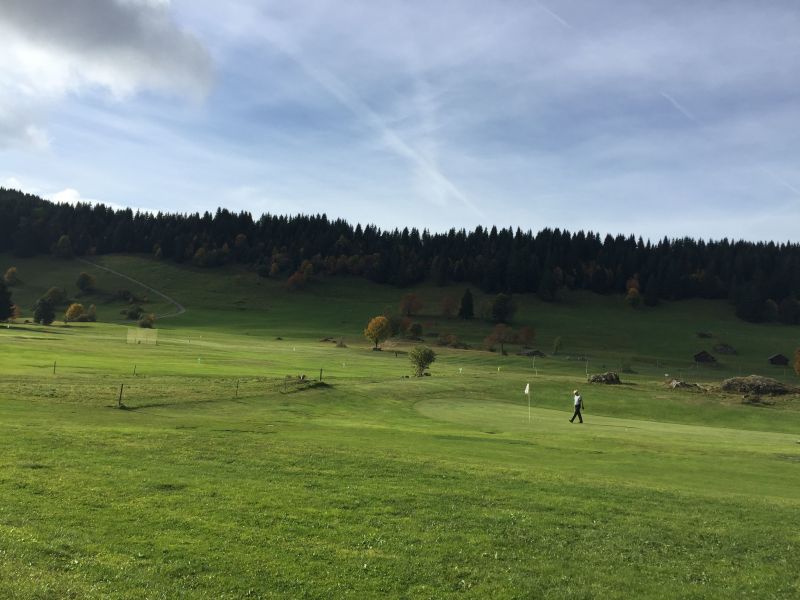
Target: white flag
527,388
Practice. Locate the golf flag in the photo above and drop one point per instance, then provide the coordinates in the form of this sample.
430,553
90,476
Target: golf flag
528,394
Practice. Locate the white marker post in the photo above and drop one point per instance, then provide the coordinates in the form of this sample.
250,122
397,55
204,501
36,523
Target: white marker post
528,394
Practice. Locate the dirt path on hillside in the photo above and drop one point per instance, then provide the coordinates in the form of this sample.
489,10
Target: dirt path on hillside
179,308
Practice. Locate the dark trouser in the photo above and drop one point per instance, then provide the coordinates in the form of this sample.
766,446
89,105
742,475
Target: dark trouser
577,414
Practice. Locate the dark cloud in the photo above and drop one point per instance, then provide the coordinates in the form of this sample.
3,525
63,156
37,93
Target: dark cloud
124,45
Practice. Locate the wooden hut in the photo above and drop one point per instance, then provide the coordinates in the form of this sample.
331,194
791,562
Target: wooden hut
778,359
704,357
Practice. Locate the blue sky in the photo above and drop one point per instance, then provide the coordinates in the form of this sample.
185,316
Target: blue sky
652,118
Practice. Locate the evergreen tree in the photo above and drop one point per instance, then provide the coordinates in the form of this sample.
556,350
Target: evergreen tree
43,311
651,291
466,309
6,306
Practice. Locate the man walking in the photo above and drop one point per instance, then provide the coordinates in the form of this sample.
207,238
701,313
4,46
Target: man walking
578,406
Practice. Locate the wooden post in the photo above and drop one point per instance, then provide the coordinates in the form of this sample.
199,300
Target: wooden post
54,367
237,388
134,369
320,374
119,400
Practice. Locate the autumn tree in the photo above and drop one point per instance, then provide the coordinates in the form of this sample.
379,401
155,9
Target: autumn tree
63,248
449,307
11,277
797,361
378,330
466,309
421,358
73,313
410,304
147,321
85,282
91,314
527,335
501,335
6,306
633,298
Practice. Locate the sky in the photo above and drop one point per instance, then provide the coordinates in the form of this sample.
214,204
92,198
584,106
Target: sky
638,117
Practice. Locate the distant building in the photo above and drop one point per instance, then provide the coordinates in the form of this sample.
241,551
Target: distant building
778,359
704,357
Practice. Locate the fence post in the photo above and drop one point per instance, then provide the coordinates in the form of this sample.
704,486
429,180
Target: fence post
237,388
320,375
119,400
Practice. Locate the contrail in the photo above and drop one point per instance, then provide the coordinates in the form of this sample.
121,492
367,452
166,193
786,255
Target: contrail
679,107
555,15
353,102
777,178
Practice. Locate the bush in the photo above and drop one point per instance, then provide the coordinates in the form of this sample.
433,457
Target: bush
148,321
415,330
134,312
73,313
85,282
56,296
421,358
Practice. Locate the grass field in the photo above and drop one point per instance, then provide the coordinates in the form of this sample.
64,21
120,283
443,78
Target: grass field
223,479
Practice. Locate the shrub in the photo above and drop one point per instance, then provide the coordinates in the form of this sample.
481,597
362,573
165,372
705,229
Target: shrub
633,298
134,312
421,358
85,282
148,321
73,313
56,296
415,330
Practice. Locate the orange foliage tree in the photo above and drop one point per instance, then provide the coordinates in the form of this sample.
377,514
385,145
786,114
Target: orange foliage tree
378,330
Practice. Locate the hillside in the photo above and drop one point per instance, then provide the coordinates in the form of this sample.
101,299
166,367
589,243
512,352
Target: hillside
228,474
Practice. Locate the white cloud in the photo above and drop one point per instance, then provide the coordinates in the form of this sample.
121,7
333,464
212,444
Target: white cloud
52,48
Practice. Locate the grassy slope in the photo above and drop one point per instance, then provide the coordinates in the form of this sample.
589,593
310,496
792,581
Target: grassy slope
379,485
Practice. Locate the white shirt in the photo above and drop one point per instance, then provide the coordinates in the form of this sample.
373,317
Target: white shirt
578,399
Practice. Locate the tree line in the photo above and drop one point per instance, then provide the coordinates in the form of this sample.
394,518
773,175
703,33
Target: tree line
761,279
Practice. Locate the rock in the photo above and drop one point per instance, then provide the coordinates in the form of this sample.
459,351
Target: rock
529,352
609,377
684,385
756,385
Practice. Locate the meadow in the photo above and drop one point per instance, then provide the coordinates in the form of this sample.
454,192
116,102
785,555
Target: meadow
226,475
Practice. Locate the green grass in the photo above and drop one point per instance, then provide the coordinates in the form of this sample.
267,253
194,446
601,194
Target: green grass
377,485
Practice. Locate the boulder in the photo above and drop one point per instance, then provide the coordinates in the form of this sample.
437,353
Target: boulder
608,377
756,385
677,384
